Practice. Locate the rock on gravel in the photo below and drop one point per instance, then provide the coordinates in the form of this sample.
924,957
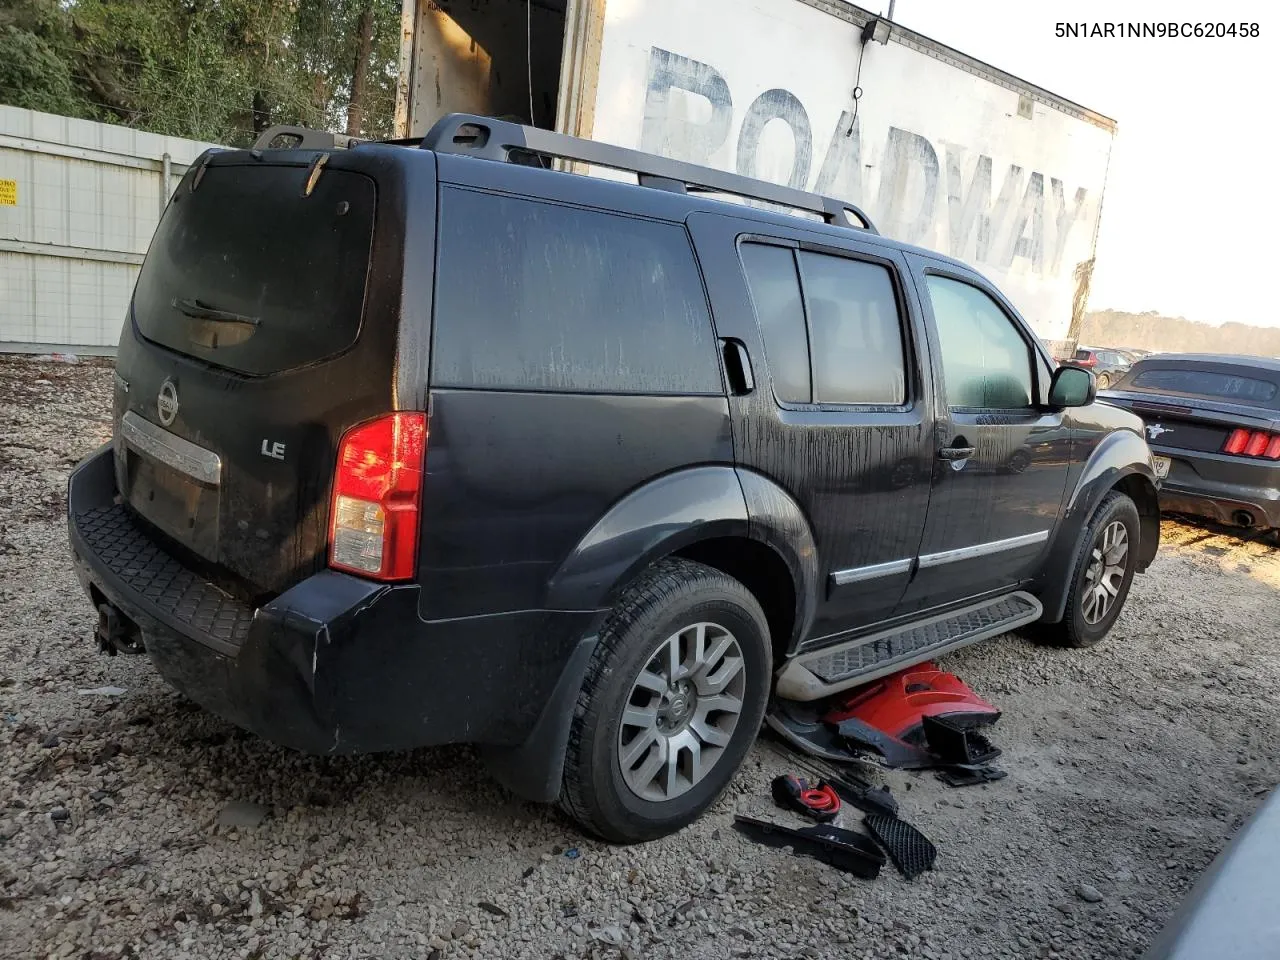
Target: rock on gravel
241,814
1122,765
1088,893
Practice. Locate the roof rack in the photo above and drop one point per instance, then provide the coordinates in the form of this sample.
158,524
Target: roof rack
491,139
506,142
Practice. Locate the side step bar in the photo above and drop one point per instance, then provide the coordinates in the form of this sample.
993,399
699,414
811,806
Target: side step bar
832,669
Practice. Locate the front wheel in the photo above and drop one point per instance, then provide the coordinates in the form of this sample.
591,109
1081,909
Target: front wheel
1100,577
672,701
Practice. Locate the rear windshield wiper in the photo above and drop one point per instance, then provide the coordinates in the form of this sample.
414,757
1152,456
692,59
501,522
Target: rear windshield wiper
202,311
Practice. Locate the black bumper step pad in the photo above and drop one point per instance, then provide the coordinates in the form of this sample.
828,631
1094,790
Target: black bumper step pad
155,577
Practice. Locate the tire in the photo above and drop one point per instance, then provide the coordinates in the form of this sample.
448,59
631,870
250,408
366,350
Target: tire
665,606
1084,624
1104,381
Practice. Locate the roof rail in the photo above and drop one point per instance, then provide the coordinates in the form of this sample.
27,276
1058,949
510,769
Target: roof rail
491,139
302,138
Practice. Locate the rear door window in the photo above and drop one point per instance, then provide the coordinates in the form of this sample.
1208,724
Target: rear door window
249,274
855,330
543,297
1209,384
832,329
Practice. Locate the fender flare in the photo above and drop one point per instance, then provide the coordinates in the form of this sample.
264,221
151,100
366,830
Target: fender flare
1121,455
659,518
778,521
652,521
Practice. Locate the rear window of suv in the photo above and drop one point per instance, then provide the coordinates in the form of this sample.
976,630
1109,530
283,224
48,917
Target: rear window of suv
1210,384
544,297
247,273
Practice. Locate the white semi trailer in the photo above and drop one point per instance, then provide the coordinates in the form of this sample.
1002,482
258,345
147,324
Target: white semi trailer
942,150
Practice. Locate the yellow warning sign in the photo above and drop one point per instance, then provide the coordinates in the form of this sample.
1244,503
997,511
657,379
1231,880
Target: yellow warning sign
8,193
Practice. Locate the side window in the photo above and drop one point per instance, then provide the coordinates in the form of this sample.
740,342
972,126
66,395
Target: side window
538,296
850,350
775,291
986,362
855,331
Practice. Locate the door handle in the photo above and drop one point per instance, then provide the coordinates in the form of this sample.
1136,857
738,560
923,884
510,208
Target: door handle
738,365
956,453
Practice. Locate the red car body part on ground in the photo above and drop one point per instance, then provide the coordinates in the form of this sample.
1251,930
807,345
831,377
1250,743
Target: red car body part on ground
899,703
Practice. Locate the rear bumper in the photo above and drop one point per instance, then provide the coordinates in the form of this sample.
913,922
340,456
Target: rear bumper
336,664
1216,486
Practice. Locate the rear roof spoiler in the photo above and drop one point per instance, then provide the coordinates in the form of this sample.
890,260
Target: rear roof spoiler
285,137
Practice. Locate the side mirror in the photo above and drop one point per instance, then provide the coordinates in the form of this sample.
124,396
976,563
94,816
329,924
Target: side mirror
1072,387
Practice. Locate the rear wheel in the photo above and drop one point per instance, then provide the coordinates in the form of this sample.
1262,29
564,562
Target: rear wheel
1100,577
1104,381
673,698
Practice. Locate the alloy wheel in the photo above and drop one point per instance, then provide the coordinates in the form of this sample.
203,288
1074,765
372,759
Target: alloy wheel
682,712
1105,574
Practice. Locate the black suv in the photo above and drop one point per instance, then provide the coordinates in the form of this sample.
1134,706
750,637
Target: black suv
421,445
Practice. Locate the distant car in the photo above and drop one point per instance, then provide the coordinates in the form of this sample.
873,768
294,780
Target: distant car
1213,422
1107,365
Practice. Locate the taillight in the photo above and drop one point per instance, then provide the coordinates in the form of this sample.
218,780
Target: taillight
377,487
1253,443
1090,360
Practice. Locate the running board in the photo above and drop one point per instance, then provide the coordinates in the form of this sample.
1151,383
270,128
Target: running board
854,662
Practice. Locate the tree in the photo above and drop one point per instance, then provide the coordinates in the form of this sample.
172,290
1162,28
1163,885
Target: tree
33,72
214,70
32,75
359,78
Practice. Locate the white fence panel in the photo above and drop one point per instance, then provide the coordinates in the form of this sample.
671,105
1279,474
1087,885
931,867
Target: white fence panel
79,202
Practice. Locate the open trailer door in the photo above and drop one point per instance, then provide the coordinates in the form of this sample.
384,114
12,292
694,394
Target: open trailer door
532,61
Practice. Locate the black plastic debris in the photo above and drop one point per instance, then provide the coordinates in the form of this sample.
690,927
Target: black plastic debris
956,743
843,849
909,849
859,793
970,776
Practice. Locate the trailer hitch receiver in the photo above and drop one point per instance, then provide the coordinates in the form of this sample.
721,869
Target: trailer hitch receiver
116,633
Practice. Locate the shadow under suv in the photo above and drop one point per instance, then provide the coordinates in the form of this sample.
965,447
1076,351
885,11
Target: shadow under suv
414,445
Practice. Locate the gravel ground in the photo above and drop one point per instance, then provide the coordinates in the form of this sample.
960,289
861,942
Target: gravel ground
133,824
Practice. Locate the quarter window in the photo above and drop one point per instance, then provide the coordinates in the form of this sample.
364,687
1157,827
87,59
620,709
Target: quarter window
539,296
986,361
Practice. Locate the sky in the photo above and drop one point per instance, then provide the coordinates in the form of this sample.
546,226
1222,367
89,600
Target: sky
1190,212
